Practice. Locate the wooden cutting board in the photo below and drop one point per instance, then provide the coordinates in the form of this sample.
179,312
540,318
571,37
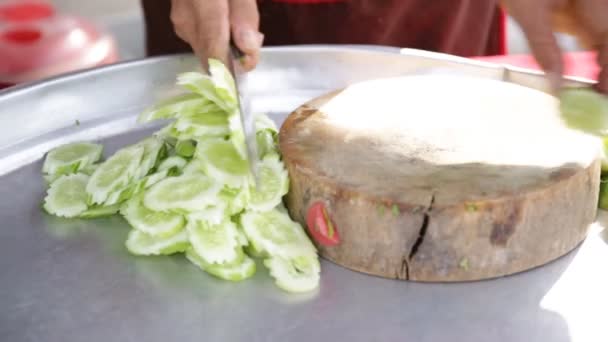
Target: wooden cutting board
442,178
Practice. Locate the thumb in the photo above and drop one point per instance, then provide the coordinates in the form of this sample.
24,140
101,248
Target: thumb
244,24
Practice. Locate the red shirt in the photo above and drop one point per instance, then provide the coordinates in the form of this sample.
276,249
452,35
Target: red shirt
459,27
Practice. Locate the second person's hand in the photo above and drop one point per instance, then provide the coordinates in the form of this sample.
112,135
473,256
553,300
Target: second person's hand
208,25
586,19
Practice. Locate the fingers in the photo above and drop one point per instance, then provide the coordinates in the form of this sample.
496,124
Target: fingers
602,59
535,19
538,30
592,20
244,24
204,24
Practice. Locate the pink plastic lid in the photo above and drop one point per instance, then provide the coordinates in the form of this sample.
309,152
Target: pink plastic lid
37,42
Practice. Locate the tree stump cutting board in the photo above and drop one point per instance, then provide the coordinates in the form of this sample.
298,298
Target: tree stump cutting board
441,178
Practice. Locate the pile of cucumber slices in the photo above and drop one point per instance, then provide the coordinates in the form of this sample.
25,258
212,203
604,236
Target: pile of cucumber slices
187,188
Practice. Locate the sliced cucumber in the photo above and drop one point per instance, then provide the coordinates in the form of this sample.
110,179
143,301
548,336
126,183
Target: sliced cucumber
242,236
237,135
297,274
151,222
194,166
154,147
210,124
172,162
114,174
222,162
203,85
231,271
89,169
185,148
603,196
185,193
275,233
263,122
100,211
214,214
67,197
181,104
267,145
140,243
605,155
223,81
216,244
70,158
236,199
272,186
585,109
188,188
135,188
254,251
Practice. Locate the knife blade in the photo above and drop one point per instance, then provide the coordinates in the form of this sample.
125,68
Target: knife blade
244,106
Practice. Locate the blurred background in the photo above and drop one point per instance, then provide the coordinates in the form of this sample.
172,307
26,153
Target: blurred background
114,31
123,19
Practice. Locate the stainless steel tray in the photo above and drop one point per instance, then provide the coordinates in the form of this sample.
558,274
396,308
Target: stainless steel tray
72,280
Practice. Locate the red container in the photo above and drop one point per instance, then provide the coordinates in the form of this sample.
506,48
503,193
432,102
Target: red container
37,42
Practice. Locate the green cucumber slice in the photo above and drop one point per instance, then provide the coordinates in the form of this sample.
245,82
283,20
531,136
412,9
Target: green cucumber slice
134,188
605,155
114,174
216,244
204,124
151,222
603,196
152,149
297,274
194,166
202,85
223,81
185,193
100,211
275,233
237,135
585,109
185,148
176,162
231,271
214,215
222,162
235,198
178,105
140,243
89,169
264,122
70,158
272,186
66,196
267,145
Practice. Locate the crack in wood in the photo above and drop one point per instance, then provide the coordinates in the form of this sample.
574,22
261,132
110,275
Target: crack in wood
405,268
423,228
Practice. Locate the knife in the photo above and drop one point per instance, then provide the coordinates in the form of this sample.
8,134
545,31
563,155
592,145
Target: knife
244,106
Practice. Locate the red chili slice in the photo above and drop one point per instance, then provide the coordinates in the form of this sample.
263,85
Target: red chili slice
321,226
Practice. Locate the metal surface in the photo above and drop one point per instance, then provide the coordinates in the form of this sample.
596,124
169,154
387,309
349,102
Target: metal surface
244,106
72,280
